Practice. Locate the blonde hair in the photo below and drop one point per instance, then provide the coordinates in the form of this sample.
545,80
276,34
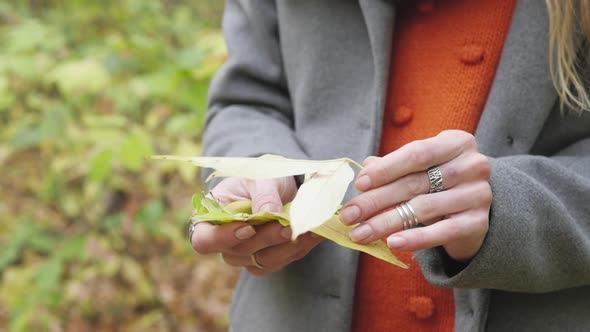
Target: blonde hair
568,52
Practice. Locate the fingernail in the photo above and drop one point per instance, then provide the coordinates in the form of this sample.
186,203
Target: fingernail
350,214
363,183
286,232
360,233
245,232
269,207
396,242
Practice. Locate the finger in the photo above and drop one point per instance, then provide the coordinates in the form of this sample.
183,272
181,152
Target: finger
265,195
267,235
370,159
414,157
462,235
276,257
428,208
230,190
208,238
457,171
283,254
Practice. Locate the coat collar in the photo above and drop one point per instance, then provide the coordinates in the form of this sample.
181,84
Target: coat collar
514,113
379,17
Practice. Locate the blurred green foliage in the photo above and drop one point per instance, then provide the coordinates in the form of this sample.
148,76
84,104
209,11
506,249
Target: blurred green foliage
92,236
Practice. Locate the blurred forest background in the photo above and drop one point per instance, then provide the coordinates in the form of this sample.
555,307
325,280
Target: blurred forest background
92,236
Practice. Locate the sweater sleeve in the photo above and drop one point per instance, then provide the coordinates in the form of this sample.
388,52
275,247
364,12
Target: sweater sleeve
539,234
250,111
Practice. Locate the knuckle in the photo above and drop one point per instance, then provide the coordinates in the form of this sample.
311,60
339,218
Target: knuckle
467,139
367,203
419,237
299,255
417,184
455,230
384,223
261,199
428,208
485,193
482,223
378,172
200,246
483,165
228,260
450,172
419,155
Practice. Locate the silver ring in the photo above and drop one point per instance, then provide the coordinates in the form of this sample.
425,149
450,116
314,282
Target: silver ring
191,230
408,215
255,261
436,179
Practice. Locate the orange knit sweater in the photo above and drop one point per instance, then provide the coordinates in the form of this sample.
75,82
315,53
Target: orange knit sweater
444,58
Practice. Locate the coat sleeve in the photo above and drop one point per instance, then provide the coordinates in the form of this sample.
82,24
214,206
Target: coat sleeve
250,111
539,235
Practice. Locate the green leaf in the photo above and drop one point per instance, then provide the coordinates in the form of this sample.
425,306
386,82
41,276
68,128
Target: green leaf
42,242
101,166
73,248
54,123
211,205
134,150
47,277
11,252
27,137
84,77
7,97
150,215
219,217
196,200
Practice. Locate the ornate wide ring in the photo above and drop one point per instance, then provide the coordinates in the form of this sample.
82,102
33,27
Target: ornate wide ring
408,215
255,261
436,179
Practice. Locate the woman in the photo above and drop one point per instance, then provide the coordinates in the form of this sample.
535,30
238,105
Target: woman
504,240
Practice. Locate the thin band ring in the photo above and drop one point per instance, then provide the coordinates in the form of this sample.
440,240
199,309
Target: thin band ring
408,215
436,179
255,261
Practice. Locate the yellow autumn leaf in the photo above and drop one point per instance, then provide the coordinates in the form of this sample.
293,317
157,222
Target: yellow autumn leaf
332,229
319,197
326,182
264,167
336,231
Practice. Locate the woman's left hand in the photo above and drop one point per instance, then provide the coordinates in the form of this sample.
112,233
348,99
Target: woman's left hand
456,218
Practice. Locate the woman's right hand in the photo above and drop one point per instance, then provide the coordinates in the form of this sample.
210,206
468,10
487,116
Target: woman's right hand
239,243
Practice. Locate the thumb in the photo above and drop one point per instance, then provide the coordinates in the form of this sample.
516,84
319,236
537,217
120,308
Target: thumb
265,196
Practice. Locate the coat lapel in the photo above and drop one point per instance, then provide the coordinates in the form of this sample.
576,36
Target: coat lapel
522,94
379,19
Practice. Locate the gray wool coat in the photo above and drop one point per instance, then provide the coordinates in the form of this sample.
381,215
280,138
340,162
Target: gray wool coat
307,79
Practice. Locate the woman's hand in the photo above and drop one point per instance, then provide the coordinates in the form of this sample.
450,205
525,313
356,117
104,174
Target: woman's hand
241,244
456,218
